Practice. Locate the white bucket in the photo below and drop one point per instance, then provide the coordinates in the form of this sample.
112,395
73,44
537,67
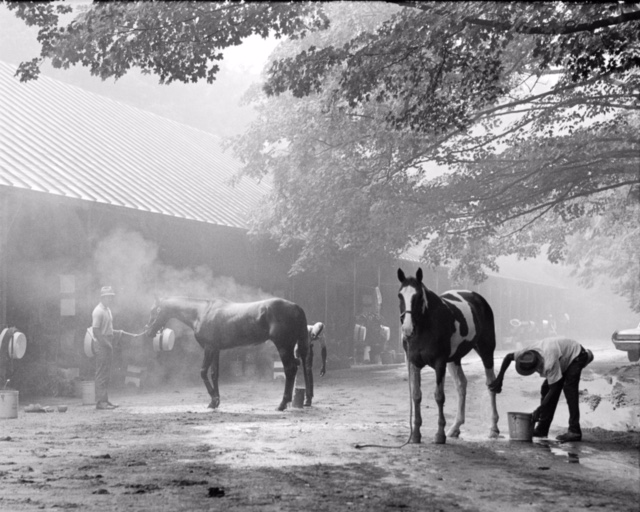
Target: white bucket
520,426
298,398
88,392
8,403
164,340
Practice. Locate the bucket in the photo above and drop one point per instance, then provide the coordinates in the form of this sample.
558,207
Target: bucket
16,344
164,340
8,403
298,398
520,426
88,392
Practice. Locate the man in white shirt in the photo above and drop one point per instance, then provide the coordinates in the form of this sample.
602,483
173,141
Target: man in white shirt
103,333
560,362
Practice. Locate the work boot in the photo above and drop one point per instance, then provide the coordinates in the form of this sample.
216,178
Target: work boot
104,406
307,402
569,437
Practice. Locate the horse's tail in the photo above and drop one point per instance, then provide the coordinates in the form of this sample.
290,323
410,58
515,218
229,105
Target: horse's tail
489,332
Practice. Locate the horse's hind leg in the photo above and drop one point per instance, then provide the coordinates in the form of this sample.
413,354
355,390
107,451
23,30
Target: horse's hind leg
486,354
460,382
441,369
211,355
494,432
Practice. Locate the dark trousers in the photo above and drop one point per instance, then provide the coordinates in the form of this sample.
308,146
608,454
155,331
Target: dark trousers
309,365
569,384
104,354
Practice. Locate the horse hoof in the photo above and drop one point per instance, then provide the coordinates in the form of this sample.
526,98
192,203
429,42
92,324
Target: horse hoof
282,406
440,439
415,439
213,404
494,434
454,433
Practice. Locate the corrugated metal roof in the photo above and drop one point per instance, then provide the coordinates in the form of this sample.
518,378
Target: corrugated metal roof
60,139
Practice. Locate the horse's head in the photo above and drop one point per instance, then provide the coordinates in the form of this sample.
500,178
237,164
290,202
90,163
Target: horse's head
157,318
413,300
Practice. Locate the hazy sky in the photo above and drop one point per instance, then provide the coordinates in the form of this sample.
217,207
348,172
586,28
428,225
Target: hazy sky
211,107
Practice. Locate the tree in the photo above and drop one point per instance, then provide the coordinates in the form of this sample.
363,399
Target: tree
532,107
174,40
459,84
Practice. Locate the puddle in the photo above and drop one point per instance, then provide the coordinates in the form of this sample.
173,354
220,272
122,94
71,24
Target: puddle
619,465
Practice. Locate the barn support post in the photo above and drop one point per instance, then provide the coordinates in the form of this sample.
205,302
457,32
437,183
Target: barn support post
326,298
4,235
355,288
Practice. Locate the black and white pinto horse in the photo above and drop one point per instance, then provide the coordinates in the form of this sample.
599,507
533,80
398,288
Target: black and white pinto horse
220,324
438,331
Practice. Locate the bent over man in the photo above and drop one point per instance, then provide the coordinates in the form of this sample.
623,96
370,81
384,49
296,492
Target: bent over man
560,362
315,334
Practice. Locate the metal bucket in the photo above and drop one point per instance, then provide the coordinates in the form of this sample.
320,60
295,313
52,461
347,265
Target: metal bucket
520,426
8,403
164,340
16,344
298,398
88,392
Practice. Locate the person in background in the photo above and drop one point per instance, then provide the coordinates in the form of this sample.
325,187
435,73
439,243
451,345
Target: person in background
560,362
315,334
104,334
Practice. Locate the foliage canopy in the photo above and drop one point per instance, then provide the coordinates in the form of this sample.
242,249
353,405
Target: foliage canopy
531,107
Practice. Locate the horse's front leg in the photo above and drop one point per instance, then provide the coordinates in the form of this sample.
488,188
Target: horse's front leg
209,356
215,373
416,396
440,368
494,431
460,382
290,369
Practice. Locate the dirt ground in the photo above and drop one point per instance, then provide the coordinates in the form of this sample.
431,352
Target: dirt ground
164,450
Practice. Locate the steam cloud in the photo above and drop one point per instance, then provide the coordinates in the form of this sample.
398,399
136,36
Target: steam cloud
130,263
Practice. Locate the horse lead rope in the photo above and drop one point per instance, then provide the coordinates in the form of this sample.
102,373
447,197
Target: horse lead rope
359,446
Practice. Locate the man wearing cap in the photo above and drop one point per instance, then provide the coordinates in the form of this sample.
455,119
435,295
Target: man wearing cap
104,334
560,362
315,334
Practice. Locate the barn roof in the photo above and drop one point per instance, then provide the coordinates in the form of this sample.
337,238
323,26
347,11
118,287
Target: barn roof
59,139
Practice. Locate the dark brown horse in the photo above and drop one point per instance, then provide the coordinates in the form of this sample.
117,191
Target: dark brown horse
438,331
219,324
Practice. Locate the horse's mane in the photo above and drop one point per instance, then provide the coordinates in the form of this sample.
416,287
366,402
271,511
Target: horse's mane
198,300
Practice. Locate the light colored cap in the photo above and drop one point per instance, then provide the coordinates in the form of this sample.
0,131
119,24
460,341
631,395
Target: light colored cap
106,290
